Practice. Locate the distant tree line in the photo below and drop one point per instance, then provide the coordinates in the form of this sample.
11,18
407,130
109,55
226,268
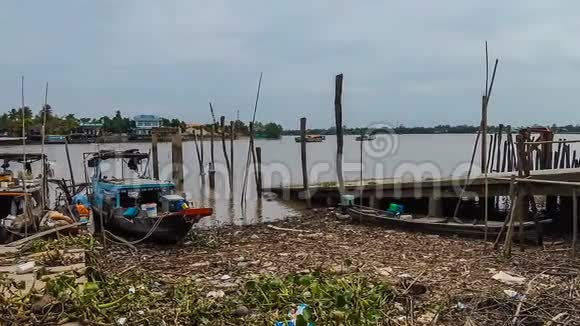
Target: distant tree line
269,130
11,122
439,129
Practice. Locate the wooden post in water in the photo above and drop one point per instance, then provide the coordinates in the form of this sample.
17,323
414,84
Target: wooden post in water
232,138
70,169
211,174
483,134
155,154
505,156
177,161
499,144
491,153
259,186
339,136
304,161
253,152
223,127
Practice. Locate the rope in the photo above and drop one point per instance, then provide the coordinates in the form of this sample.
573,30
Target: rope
131,243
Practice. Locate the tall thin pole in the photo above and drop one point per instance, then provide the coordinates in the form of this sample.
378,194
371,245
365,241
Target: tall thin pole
43,159
70,169
484,149
155,154
24,188
304,161
232,138
361,170
250,149
339,137
212,164
228,166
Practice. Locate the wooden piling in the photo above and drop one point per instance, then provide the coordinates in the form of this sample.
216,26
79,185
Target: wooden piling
499,145
177,161
567,156
232,138
507,248
483,134
253,152
339,135
228,166
70,169
304,161
491,156
509,216
504,157
155,154
259,186
211,174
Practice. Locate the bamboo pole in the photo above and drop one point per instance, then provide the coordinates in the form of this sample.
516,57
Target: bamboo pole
361,170
155,154
44,198
253,150
491,154
483,135
507,247
339,136
24,187
509,216
484,161
70,169
250,149
468,176
304,161
499,144
228,166
504,157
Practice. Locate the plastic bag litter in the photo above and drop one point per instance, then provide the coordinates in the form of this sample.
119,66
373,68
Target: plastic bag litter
293,315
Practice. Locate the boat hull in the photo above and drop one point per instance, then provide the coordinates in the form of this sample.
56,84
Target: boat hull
436,225
169,228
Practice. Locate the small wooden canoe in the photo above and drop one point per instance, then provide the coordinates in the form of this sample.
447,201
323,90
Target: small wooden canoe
437,225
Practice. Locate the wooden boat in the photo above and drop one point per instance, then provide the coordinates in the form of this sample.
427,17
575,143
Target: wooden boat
365,138
311,139
20,196
139,207
438,225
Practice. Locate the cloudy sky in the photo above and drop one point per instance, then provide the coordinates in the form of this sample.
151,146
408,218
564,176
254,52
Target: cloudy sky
409,62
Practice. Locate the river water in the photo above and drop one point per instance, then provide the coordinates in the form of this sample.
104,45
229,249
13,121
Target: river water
436,155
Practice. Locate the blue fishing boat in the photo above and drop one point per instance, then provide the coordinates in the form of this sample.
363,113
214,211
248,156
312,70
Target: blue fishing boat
136,205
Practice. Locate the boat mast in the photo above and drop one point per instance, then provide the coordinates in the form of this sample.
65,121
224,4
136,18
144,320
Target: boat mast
44,197
25,212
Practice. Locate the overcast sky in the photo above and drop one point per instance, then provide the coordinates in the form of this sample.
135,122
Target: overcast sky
407,62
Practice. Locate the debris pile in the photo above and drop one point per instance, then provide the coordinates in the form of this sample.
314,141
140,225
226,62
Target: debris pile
343,273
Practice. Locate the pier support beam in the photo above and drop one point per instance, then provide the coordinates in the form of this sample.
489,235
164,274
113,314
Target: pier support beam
177,160
435,206
372,201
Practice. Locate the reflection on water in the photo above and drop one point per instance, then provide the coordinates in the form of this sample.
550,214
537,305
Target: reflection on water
388,156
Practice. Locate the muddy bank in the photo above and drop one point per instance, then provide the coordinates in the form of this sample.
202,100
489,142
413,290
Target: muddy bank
452,276
347,274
